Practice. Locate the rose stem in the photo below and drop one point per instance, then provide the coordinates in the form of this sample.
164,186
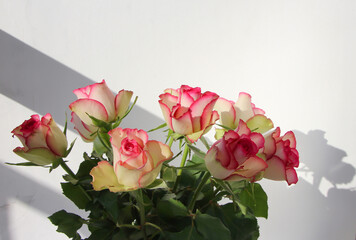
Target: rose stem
182,163
71,173
142,212
197,191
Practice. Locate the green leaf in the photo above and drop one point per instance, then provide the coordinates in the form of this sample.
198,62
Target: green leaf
75,194
68,223
171,208
224,127
105,140
70,148
205,142
85,168
237,186
99,123
198,163
98,146
242,227
255,198
197,151
55,164
70,179
159,127
25,164
158,183
101,234
174,157
169,174
211,227
188,233
110,202
65,125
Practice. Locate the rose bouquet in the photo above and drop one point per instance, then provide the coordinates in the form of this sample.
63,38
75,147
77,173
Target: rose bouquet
130,188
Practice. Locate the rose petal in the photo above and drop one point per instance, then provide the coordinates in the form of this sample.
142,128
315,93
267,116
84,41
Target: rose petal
251,167
235,178
291,137
140,136
185,100
158,152
85,131
244,107
38,138
227,113
242,128
214,166
291,176
195,136
259,124
207,115
134,162
169,100
258,139
166,114
122,102
198,107
104,178
183,125
39,156
94,108
130,177
270,145
276,169
195,93
101,93
149,177
56,140
172,91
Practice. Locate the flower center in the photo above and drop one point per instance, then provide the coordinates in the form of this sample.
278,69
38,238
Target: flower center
130,147
28,126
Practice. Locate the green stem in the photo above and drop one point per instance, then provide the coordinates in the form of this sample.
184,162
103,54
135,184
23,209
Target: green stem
182,163
142,212
184,159
71,173
170,142
198,190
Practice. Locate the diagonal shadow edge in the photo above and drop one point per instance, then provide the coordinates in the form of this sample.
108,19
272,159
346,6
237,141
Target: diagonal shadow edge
43,84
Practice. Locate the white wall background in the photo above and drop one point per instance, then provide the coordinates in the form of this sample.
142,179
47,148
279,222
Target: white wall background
296,58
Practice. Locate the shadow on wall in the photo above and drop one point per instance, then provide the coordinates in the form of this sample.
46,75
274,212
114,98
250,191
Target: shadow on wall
30,193
42,84
310,213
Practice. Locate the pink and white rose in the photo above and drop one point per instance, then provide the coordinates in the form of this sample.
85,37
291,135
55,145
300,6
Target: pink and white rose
234,156
98,101
42,140
189,112
231,113
282,157
137,161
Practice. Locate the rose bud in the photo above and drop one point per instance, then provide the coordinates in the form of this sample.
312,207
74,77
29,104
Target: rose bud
43,141
189,112
98,101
